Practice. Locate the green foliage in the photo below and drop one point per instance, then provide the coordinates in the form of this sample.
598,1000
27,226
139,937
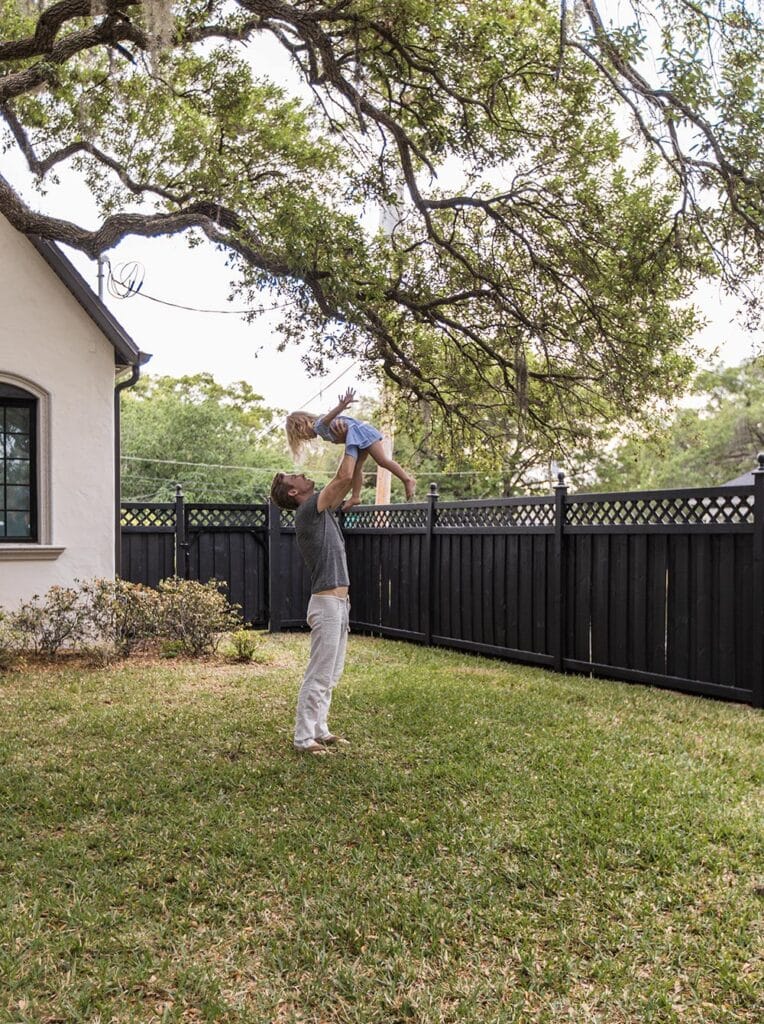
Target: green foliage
714,441
246,645
558,207
121,614
218,441
193,615
46,624
172,649
102,618
11,644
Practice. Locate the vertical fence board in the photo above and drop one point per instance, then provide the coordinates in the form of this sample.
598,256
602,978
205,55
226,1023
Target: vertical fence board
657,602
478,595
539,584
701,623
678,653
525,594
600,621
637,597
463,595
455,588
404,582
724,591
744,618
618,600
582,596
500,591
570,550
488,635
513,592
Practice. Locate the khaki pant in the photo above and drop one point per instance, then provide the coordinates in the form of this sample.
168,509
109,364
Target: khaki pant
328,621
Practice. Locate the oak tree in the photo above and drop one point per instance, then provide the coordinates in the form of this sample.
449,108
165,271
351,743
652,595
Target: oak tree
556,183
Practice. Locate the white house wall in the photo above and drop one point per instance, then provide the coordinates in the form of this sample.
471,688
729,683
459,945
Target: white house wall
48,339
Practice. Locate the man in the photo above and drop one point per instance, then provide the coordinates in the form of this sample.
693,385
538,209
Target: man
323,547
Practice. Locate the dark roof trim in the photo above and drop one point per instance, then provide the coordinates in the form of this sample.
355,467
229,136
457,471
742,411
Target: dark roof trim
126,351
741,481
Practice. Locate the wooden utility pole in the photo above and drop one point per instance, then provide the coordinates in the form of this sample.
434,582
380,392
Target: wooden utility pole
389,216
384,476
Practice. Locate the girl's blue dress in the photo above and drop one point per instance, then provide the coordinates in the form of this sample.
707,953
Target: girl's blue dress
359,436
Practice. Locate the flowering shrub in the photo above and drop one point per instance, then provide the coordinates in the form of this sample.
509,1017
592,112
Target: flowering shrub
46,624
102,618
195,614
122,614
11,644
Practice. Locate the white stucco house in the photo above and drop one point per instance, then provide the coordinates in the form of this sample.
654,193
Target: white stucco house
63,361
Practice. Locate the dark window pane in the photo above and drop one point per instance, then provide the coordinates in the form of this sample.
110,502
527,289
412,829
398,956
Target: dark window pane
9,391
17,446
17,420
18,524
17,498
17,472
17,465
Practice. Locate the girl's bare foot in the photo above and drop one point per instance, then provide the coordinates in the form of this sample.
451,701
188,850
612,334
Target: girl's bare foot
349,502
410,485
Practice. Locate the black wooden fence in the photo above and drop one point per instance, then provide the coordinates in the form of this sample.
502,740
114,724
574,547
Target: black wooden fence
661,587
200,542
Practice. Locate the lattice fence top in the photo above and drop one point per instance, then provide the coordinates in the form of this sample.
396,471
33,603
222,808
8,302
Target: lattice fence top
157,515
719,509
699,507
499,515
386,517
253,517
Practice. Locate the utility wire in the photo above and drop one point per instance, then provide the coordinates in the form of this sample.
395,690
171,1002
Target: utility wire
277,426
274,469
203,465
127,288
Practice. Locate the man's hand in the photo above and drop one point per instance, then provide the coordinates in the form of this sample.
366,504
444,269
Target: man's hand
331,496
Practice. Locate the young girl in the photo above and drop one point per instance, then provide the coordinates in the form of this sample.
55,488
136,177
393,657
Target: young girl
360,440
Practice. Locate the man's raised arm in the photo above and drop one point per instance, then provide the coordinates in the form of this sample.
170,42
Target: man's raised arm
333,494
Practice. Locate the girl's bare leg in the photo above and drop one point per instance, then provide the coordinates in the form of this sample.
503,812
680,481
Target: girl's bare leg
377,453
355,496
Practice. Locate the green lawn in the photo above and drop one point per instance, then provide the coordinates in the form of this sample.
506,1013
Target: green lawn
499,844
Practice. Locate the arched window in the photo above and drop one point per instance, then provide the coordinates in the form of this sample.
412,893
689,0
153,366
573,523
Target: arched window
18,465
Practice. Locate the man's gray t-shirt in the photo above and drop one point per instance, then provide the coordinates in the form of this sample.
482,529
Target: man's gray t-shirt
322,545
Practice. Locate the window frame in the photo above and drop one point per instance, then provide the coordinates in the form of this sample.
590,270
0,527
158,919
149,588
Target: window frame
31,403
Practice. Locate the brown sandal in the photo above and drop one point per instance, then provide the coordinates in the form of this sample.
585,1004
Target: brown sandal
316,749
331,741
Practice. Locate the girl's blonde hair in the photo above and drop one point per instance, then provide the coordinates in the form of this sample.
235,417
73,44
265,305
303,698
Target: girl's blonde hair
299,429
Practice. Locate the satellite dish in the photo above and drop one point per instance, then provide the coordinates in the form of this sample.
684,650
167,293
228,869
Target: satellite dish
127,279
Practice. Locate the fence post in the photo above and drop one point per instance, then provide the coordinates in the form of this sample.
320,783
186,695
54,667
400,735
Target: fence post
274,568
757,682
559,572
432,499
181,545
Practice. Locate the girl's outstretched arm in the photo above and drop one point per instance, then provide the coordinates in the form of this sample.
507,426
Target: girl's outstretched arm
344,401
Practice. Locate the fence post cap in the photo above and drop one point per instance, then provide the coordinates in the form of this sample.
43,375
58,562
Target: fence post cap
560,478
760,460
434,489
178,491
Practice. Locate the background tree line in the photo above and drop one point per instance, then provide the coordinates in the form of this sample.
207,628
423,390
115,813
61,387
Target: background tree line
221,443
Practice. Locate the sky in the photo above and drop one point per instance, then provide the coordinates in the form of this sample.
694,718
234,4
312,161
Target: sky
187,341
